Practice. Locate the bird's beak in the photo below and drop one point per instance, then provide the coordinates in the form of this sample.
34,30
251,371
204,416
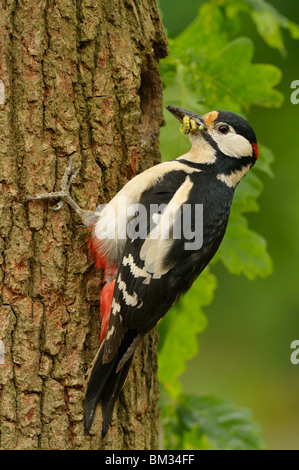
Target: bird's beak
179,113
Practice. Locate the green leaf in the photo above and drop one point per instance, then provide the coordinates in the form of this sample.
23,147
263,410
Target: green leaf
268,20
246,195
178,92
293,28
206,34
243,250
233,82
179,329
269,29
206,422
227,81
266,158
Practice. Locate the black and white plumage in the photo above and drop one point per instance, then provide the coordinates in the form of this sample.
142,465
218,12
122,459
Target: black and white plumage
153,271
139,240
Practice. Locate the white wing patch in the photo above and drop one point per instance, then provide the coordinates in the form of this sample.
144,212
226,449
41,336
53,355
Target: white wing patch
112,221
160,239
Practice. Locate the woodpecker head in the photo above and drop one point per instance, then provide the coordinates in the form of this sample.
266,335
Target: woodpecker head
222,139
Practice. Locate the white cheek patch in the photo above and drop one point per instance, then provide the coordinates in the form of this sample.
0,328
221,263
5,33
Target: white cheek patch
234,145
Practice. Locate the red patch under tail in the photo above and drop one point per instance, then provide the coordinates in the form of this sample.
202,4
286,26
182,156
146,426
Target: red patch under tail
106,296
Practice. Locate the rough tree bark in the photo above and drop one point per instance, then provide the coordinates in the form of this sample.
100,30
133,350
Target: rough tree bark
81,80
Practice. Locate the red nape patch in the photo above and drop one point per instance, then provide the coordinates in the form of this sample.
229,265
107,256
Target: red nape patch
106,296
255,150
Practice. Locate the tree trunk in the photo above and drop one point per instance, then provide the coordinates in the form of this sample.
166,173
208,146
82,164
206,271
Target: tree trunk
81,79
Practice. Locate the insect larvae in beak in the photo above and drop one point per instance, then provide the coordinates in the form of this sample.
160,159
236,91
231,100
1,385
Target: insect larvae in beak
189,125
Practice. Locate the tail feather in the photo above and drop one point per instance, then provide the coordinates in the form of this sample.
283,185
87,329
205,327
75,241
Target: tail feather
105,384
108,400
98,378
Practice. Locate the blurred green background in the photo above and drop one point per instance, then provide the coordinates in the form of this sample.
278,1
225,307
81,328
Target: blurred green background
245,351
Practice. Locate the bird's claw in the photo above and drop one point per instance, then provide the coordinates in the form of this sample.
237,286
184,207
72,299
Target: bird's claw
59,206
31,198
67,180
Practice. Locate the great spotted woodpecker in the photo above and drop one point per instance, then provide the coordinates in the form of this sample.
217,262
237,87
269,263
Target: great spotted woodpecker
149,253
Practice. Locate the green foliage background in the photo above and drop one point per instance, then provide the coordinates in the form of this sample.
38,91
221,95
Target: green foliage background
212,65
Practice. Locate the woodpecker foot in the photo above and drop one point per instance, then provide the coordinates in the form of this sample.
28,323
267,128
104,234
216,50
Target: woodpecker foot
64,195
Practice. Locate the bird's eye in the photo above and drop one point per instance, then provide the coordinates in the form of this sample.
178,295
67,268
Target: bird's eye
224,129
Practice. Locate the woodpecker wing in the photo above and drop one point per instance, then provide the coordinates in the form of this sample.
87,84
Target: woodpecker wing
154,270
131,314
142,294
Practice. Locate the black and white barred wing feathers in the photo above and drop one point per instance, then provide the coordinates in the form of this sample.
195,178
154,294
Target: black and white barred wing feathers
141,294
139,299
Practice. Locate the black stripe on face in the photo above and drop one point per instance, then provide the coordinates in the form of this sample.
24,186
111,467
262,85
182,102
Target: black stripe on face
208,138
